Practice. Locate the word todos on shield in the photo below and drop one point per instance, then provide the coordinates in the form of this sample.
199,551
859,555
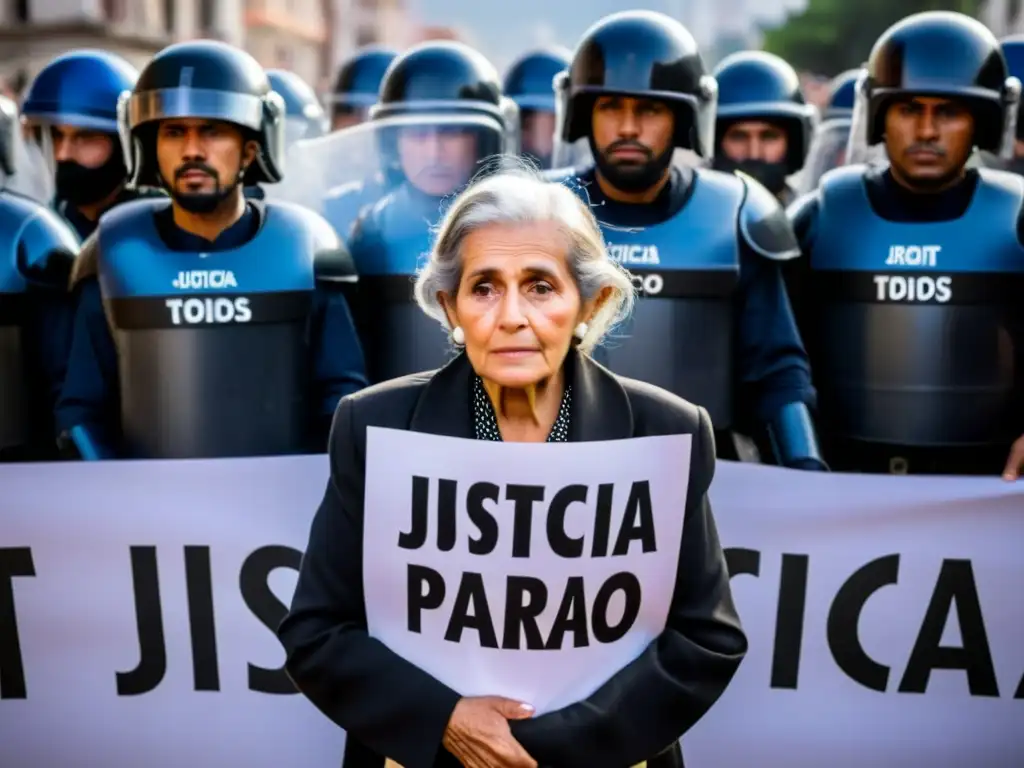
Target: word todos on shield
913,289
209,310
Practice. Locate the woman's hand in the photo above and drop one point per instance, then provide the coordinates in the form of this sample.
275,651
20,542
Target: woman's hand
1015,463
479,736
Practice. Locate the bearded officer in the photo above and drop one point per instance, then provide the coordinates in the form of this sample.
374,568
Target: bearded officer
356,86
35,309
440,114
71,110
304,116
764,125
529,82
914,311
704,247
208,325
828,146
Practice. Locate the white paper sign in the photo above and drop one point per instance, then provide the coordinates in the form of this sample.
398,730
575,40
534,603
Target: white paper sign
533,571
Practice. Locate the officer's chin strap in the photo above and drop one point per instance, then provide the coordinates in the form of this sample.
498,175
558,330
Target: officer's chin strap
794,440
79,440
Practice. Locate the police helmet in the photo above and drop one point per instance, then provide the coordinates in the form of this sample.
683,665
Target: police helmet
647,55
203,79
80,89
304,115
754,85
529,82
939,53
358,80
841,93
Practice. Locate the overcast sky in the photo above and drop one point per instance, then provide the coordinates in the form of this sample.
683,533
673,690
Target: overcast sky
502,29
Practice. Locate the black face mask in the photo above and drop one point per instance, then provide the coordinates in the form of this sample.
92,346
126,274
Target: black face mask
632,177
772,176
79,185
201,202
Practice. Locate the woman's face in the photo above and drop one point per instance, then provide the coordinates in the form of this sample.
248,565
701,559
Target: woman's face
517,302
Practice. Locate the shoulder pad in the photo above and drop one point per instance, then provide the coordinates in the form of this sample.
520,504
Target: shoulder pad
763,223
47,246
131,209
86,265
342,190
1006,180
331,260
804,205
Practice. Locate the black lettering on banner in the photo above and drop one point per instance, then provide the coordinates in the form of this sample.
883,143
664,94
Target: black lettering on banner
524,496
471,611
561,543
571,617
628,584
844,616
638,521
446,514
253,583
955,585
602,520
417,534
485,522
789,621
150,624
525,600
425,589
15,562
742,562
199,587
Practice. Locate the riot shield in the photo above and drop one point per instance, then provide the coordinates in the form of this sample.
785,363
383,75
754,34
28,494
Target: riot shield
828,151
33,174
858,150
437,153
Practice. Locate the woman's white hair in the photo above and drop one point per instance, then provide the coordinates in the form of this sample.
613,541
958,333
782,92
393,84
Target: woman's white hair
519,194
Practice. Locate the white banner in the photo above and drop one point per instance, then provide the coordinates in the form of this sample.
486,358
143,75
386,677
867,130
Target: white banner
535,571
885,618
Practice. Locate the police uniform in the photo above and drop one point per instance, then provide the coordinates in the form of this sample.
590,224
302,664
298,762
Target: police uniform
35,315
754,85
713,323
440,86
185,348
915,323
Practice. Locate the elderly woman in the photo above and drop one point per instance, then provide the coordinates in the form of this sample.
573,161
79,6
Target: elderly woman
521,278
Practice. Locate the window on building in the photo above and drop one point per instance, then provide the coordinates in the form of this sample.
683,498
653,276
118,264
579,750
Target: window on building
113,10
169,19
206,19
21,10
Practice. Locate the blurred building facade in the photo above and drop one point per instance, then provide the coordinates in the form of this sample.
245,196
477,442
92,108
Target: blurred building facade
308,37
1003,17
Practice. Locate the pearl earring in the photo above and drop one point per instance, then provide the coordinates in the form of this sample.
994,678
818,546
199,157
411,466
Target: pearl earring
458,336
581,331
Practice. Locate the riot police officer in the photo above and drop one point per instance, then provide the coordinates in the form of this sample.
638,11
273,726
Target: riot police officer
440,114
704,247
304,117
764,125
355,92
914,270
35,309
529,82
71,109
356,85
207,325
828,146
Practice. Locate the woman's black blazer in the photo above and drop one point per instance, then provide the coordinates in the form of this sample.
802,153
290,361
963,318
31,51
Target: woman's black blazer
389,707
